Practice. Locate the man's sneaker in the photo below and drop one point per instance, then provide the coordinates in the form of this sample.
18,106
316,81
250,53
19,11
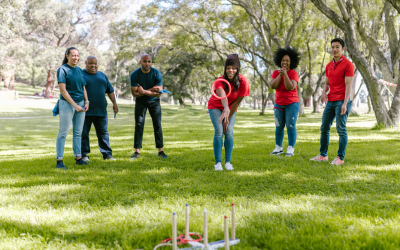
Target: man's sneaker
60,165
319,158
81,162
277,151
218,166
290,151
337,161
135,156
85,158
110,158
228,166
161,154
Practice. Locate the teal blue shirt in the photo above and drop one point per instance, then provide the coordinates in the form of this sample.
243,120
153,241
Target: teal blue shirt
147,81
97,87
74,81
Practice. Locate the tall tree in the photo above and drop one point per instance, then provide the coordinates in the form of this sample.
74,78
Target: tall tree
361,26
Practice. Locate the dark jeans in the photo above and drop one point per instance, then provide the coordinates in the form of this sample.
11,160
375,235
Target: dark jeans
332,111
286,115
100,124
140,115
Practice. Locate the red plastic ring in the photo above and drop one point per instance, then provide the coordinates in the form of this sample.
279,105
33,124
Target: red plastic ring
213,90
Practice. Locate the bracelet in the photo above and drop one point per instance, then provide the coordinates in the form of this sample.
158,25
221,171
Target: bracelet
86,102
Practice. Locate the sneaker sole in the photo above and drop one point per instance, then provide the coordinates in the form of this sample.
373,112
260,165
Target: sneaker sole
279,153
289,155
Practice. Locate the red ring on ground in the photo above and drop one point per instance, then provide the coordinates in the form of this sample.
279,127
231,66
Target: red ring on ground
182,239
213,90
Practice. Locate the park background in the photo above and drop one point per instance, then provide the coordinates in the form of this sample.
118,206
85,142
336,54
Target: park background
282,203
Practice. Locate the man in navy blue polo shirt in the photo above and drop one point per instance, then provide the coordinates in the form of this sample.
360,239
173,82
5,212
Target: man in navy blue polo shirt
146,82
97,87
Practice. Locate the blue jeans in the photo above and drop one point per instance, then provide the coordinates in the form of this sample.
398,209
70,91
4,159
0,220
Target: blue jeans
286,115
215,114
100,124
332,111
68,115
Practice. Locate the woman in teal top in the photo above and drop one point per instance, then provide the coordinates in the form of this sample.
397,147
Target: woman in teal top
72,105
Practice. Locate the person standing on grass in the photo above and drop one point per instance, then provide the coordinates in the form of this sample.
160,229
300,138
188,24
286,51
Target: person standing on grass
286,107
223,111
339,78
146,82
97,86
72,105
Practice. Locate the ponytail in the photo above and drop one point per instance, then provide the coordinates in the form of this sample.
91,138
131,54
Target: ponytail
65,60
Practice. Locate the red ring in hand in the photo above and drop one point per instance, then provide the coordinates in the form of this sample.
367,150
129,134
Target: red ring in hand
213,90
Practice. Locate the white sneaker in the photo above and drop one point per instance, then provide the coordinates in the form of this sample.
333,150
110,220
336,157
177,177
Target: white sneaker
218,166
277,151
85,158
228,166
290,151
110,158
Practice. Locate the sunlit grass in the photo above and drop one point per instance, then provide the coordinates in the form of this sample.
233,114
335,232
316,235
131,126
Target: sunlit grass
281,202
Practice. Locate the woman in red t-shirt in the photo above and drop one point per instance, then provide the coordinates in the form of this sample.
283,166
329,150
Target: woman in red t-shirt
223,112
286,108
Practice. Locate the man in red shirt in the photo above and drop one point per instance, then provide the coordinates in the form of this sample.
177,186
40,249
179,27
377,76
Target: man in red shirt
339,78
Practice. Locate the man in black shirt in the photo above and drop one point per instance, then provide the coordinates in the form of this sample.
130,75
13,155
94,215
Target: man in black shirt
146,82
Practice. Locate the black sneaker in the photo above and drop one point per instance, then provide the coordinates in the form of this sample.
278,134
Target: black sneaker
81,162
60,165
161,154
135,156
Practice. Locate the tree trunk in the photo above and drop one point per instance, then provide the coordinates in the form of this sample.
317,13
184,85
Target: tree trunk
11,85
369,104
254,102
181,102
33,77
49,83
301,101
307,103
315,105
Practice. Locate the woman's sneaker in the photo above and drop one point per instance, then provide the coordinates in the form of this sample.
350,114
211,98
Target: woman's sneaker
110,158
290,151
277,151
81,162
228,166
60,165
218,166
319,158
337,161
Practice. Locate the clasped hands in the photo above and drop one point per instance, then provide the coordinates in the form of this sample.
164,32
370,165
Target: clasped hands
282,71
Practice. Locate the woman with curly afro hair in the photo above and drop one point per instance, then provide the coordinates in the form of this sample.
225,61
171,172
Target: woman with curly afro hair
286,108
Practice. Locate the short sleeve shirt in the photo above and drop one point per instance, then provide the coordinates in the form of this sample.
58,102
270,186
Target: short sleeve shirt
282,95
243,90
74,81
147,81
97,87
336,78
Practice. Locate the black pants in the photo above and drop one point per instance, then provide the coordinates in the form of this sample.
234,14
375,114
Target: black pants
140,115
100,124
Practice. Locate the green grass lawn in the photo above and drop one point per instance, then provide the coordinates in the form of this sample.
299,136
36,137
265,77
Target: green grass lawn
281,202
